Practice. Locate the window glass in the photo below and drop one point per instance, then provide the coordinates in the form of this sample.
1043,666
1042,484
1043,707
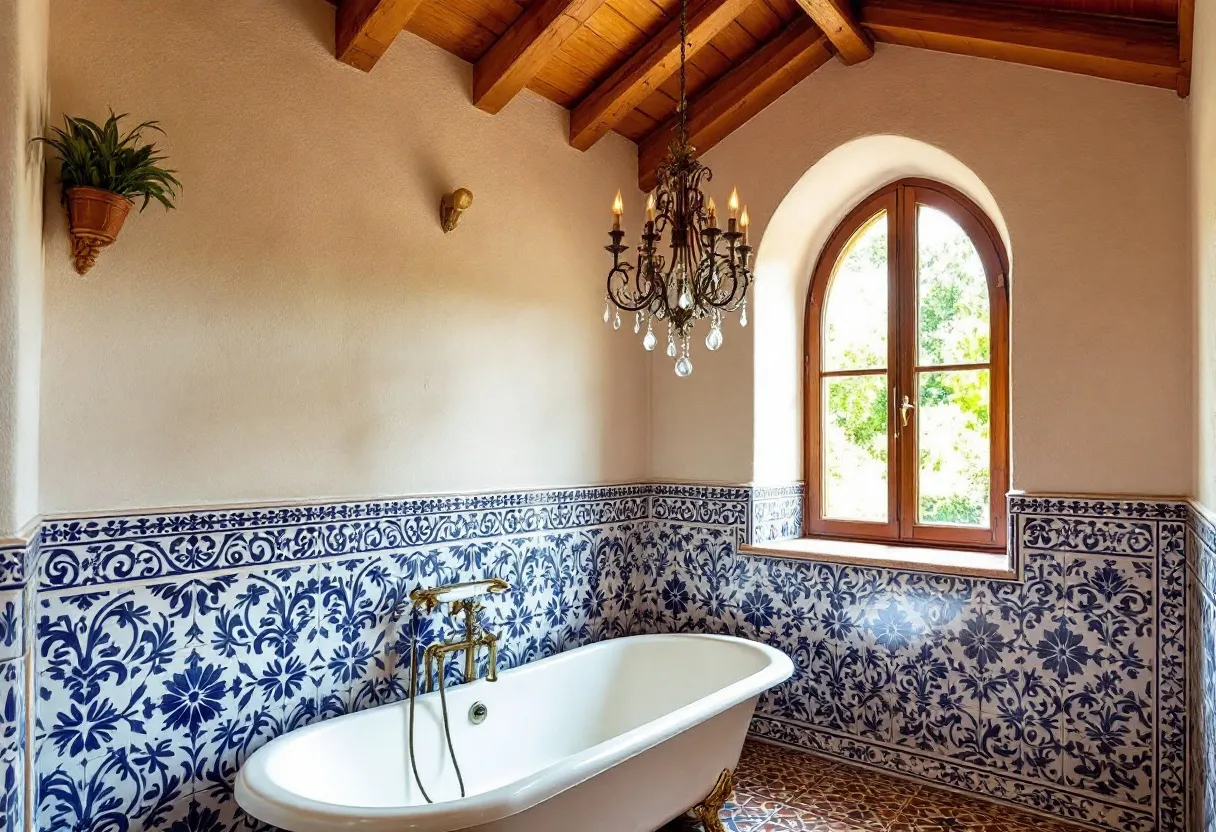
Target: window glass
855,312
952,293
855,448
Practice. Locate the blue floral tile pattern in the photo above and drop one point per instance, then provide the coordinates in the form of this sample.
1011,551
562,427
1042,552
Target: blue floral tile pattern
1063,691
1199,768
12,744
168,648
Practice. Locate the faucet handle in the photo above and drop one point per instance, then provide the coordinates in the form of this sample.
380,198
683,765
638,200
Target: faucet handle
428,599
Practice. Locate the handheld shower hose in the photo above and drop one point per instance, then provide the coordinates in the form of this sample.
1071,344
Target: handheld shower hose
443,703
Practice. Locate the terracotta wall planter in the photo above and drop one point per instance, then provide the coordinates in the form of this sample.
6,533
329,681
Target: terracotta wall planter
94,219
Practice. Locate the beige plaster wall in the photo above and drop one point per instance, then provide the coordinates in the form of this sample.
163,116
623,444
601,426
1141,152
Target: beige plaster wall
23,93
1203,231
1091,179
301,327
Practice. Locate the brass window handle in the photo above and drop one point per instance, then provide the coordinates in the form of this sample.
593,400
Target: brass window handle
903,411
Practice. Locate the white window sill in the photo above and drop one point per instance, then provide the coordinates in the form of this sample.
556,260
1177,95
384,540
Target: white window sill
972,564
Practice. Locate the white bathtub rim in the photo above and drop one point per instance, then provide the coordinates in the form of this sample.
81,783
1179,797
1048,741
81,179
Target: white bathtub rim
253,790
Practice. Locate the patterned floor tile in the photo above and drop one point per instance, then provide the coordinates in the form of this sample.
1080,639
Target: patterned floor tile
857,797
932,811
779,789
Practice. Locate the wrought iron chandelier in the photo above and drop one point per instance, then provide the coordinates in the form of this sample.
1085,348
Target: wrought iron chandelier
708,271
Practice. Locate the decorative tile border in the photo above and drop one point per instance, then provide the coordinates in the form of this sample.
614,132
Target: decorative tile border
247,519
151,547
1098,507
706,505
12,565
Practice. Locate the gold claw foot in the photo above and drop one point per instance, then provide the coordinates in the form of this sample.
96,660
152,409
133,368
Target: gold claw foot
709,810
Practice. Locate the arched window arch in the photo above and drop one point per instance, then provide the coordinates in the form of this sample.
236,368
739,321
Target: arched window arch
907,371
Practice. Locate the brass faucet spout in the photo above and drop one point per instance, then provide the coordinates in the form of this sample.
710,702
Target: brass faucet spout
460,596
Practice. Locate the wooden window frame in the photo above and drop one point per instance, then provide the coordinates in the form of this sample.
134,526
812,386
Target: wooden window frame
900,200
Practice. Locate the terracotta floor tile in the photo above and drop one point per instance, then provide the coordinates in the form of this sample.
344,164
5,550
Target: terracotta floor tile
792,819
862,798
746,810
778,789
934,811
781,774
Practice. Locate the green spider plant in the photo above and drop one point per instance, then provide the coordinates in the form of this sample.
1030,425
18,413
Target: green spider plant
100,157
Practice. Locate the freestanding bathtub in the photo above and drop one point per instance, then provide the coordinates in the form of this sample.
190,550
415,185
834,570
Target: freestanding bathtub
619,736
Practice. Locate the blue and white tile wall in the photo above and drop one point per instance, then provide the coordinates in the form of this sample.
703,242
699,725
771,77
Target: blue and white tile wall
1201,647
16,561
169,647
1063,691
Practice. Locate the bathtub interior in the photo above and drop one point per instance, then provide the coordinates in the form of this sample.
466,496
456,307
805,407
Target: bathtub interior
538,715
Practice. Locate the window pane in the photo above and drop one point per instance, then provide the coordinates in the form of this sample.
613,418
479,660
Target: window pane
954,468
952,293
855,311
855,448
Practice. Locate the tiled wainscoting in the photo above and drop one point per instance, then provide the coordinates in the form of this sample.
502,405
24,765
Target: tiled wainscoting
167,647
170,647
1063,692
1201,647
16,561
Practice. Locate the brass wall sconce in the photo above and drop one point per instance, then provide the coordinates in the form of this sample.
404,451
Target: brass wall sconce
452,206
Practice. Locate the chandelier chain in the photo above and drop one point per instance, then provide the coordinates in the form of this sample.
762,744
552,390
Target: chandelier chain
683,117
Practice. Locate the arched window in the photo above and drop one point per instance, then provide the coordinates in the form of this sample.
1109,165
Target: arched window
907,369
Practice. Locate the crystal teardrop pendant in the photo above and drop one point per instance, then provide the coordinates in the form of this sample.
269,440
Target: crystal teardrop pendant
686,298
671,342
607,312
637,323
714,339
616,322
683,367
648,340
743,315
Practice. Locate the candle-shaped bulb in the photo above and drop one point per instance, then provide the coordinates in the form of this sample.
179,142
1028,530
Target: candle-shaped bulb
733,204
744,222
650,207
713,212
618,208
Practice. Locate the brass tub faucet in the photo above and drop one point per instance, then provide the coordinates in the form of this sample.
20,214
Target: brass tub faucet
460,596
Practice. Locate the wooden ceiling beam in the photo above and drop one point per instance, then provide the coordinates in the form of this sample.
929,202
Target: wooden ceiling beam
645,70
836,20
797,51
1186,38
365,29
524,49
1137,51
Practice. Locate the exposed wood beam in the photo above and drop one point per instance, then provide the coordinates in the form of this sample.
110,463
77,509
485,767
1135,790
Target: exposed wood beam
796,52
1186,38
366,28
646,69
837,22
522,51
1138,51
